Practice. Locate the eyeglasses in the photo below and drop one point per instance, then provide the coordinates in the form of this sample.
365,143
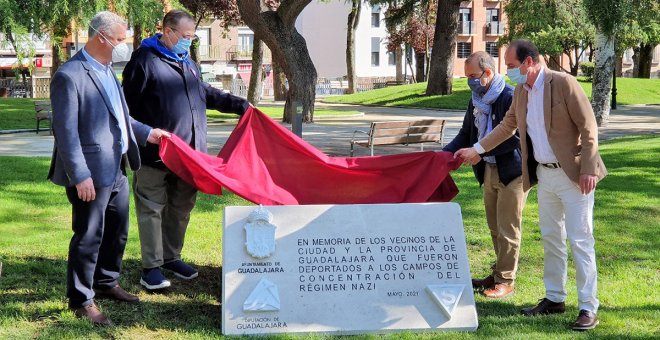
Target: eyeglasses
189,37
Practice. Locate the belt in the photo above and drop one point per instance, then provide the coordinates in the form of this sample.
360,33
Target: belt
551,165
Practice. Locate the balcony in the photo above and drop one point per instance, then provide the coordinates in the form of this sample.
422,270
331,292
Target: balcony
210,53
467,28
495,28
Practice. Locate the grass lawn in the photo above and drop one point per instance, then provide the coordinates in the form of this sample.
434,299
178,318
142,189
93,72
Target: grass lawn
276,111
18,113
629,91
35,230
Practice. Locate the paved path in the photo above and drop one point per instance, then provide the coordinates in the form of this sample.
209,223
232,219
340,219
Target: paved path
332,135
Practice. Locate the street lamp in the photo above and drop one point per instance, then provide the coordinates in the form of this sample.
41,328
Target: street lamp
613,103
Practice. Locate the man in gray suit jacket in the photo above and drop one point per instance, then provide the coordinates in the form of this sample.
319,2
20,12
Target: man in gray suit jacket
95,139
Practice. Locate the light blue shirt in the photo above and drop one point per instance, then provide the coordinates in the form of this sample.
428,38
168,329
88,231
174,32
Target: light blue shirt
106,75
489,128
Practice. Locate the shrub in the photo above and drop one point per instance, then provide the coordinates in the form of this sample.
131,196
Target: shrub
587,69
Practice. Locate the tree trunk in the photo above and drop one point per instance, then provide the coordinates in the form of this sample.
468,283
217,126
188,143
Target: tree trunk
645,58
137,36
635,58
441,73
399,63
55,51
257,74
619,66
353,21
419,65
554,62
600,99
277,30
279,81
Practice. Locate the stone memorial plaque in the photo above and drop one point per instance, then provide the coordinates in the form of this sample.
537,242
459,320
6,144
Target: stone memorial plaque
345,269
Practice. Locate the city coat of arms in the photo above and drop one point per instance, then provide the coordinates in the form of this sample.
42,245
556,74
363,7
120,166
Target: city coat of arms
260,234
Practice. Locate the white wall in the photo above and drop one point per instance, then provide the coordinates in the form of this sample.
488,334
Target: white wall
324,27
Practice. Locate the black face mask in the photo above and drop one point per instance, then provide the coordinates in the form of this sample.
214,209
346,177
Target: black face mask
475,85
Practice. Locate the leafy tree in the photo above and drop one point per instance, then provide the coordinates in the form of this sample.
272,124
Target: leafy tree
442,57
275,25
411,23
555,26
641,32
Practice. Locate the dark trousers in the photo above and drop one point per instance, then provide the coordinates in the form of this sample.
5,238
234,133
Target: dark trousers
100,231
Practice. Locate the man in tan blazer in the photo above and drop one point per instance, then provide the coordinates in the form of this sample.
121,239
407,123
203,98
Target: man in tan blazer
559,143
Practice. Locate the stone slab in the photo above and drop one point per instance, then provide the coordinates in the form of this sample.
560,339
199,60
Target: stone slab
345,269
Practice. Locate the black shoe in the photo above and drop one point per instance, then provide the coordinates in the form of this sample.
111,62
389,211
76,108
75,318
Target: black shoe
586,320
545,306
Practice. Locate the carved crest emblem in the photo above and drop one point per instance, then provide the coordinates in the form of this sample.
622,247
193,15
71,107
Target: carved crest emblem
260,234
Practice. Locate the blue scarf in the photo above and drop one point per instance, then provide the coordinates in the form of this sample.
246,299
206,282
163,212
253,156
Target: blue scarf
155,44
482,108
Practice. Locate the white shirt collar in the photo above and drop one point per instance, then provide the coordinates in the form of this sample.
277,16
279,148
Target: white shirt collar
538,84
95,63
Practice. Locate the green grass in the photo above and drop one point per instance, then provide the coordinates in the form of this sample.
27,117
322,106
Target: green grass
276,111
629,91
35,230
18,113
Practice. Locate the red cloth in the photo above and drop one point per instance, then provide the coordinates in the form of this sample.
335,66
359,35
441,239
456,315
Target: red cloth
265,163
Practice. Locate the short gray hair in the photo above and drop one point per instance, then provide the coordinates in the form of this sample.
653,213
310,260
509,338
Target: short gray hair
104,21
484,60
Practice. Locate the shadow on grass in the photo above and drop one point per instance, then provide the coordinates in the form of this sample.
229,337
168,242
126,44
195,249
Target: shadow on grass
34,289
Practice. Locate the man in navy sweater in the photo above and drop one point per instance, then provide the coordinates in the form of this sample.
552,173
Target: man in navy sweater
164,89
499,171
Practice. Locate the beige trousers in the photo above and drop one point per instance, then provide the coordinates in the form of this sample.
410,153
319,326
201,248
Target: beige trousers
504,205
163,203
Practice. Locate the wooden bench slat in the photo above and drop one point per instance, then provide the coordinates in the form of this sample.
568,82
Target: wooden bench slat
403,132
390,132
390,125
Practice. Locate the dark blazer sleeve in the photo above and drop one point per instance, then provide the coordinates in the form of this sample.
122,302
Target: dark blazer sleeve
512,143
223,101
134,83
462,139
64,101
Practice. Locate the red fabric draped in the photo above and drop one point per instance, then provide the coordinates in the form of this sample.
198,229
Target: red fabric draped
265,163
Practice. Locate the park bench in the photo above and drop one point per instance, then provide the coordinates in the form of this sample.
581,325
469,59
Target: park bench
401,132
44,111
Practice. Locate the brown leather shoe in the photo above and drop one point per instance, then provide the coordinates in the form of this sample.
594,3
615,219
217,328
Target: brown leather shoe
486,283
93,314
586,320
500,290
117,293
545,306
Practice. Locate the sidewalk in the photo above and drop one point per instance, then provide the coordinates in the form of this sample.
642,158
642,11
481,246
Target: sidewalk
332,135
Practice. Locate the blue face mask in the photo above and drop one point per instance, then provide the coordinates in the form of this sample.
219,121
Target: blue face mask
475,85
515,76
182,46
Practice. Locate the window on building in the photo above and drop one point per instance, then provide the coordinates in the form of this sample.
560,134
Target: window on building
391,58
492,14
464,49
375,59
375,51
465,14
245,42
627,56
491,48
375,19
656,55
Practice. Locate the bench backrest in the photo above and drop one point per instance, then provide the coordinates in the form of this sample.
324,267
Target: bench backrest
42,108
406,132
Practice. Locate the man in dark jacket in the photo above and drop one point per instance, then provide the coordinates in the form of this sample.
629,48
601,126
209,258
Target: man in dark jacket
163,89
499,171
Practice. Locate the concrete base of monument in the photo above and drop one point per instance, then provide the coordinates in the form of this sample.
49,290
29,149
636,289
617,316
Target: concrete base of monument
346,269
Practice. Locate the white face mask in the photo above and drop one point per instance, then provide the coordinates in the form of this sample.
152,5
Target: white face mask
120,52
